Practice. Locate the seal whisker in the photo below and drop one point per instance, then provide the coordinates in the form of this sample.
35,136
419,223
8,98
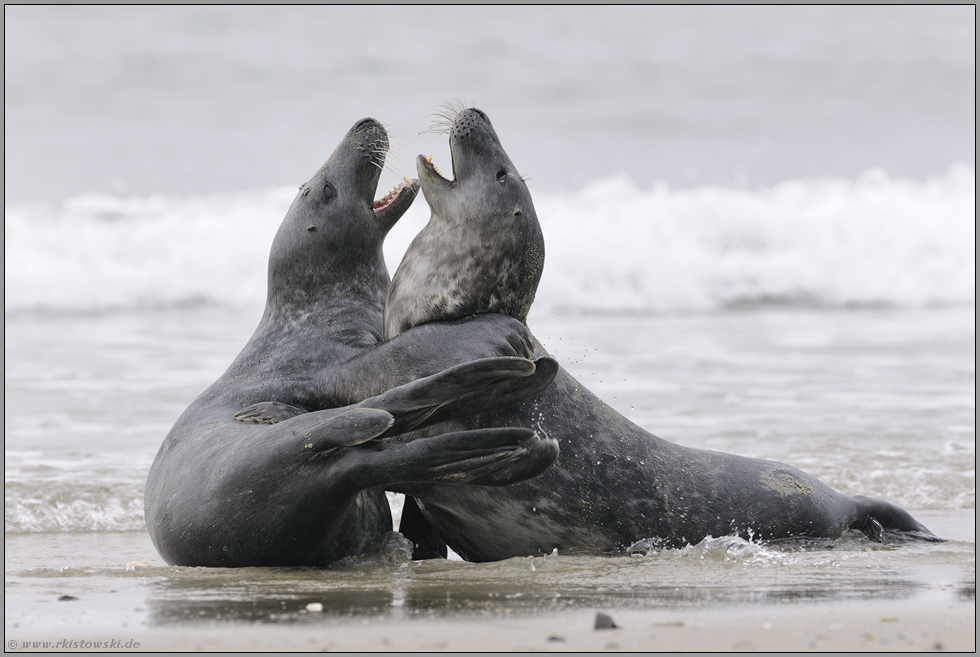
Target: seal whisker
442,119
396,152
378,146
395,160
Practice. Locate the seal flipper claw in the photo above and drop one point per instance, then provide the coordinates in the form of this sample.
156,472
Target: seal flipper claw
269,412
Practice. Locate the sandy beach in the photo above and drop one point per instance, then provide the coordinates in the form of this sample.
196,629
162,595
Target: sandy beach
718,596
874,627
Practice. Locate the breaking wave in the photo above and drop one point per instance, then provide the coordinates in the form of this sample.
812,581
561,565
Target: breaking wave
611,246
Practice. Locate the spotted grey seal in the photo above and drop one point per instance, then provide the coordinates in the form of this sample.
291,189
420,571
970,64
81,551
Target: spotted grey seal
283,460
613,483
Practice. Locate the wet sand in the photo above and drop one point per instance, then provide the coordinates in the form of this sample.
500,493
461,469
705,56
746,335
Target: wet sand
848,597
853,627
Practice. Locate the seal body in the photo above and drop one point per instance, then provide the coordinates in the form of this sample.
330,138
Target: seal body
284,459
614,484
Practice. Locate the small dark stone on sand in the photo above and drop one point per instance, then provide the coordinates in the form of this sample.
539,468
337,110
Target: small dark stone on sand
603,622
65,598
555,637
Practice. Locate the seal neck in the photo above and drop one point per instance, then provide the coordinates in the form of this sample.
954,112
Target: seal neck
354,290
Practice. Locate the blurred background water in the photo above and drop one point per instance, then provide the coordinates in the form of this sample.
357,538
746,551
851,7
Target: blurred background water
200,100
760,229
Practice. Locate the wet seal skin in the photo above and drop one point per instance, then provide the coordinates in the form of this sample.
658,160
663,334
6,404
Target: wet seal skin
614,483
283,461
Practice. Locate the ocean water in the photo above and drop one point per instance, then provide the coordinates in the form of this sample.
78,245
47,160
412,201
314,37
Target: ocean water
202,100
760,228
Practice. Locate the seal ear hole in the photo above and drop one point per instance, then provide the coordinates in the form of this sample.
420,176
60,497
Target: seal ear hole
328,192
501,176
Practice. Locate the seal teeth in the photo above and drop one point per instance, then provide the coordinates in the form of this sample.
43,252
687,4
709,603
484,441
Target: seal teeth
428,158
390,197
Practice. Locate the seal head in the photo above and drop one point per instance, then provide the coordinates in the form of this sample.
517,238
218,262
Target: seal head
482,250
337,207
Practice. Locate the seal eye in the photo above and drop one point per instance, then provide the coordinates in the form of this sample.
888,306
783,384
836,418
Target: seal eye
328,192
501,176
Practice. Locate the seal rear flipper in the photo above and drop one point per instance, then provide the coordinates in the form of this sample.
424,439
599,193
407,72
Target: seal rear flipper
462,390
883,522
416,527
483,457
268,412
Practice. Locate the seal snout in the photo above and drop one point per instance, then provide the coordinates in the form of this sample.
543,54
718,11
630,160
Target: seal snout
468,122
366,122
370,137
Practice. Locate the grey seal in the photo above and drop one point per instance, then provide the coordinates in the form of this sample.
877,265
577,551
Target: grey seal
614,483
284,459
482,250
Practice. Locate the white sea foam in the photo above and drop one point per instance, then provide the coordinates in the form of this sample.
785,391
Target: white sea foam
873,240
72,506
610,246
97,251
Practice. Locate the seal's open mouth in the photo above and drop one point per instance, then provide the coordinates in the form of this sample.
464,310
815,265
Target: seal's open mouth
397,200
430,165
428,158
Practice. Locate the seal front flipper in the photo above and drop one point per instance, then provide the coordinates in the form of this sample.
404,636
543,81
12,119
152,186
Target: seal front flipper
269,412
322,430
503,393
464,390
481,457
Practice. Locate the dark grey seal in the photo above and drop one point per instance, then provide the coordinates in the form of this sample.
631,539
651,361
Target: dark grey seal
614,483
284,459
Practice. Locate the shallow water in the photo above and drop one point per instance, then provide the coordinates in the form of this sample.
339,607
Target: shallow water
877,402
120,584
874,402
